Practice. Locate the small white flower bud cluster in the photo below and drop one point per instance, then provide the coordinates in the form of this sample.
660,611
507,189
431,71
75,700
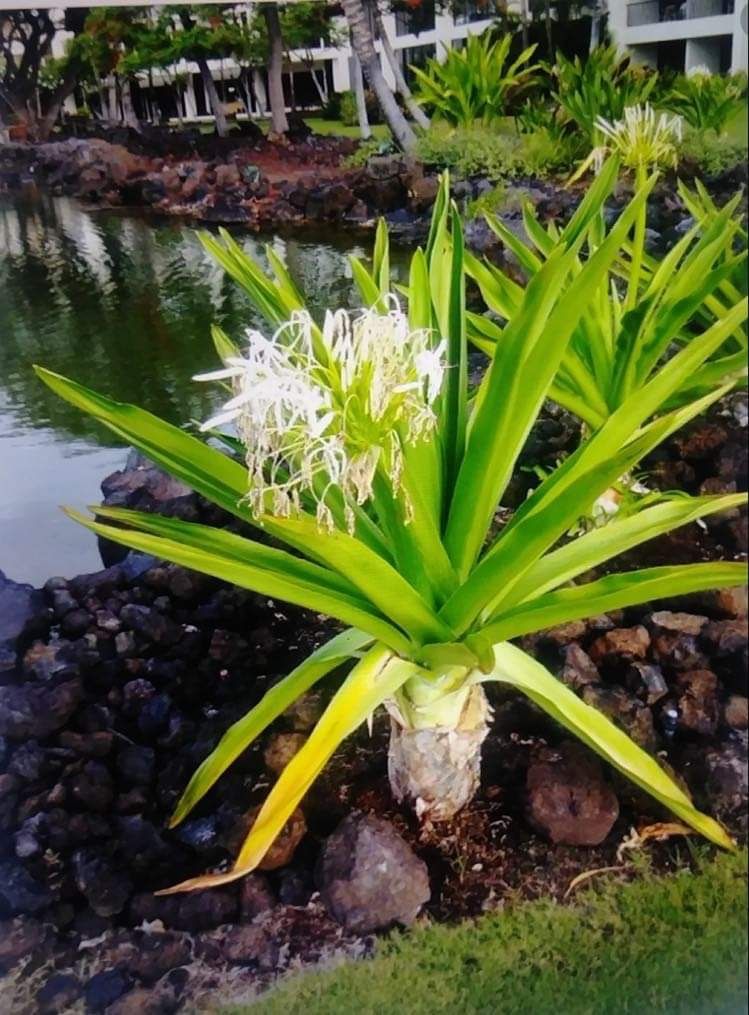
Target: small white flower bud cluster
310,423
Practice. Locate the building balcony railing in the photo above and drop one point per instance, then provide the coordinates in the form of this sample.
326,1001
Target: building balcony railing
651,12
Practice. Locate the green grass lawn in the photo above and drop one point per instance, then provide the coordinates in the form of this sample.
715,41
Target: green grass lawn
327,127
672,944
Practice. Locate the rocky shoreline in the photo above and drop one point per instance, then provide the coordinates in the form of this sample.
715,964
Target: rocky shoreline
261,186
264,185
115,685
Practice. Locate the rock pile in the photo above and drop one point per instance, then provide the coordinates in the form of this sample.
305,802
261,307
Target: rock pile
115,685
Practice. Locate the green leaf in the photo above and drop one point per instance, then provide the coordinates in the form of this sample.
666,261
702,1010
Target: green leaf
228,544
206,470
365,282
419,300
225,347
490,453
515,668
377,580
615,537
292,588
276,700
615,592
372,681
517,382
381,259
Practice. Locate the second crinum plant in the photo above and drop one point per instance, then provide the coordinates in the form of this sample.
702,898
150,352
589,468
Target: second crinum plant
644,307
394,536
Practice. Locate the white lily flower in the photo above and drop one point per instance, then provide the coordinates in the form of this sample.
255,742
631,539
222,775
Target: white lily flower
641,138
311,424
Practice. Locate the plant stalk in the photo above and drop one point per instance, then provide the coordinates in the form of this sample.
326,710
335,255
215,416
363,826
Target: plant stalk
638,244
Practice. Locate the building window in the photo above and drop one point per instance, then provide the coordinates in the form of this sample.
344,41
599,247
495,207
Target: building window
412,20
415,56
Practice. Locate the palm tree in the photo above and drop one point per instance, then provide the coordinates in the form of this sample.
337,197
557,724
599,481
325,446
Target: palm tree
358,17
400,82
279,121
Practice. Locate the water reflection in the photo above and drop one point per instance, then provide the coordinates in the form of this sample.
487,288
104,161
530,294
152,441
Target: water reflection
123,304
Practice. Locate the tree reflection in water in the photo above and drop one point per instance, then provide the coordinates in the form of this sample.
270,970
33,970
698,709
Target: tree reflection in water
124,304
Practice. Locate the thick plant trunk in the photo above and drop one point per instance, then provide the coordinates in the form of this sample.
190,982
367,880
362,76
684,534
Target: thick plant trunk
56,100
400,82
279,122
357,16
437,769
214,100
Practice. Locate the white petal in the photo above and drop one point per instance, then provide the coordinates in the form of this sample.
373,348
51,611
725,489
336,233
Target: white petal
218,420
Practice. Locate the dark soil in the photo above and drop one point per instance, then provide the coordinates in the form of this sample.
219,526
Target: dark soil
114,686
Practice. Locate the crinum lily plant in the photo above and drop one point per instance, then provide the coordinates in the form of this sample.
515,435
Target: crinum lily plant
643,307
363,452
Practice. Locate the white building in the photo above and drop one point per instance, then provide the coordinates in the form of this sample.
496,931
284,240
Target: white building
415,35
683,33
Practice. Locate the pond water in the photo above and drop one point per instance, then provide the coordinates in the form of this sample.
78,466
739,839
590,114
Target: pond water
124,304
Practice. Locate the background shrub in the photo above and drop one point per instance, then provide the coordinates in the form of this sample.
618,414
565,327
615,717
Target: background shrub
498,155
710,155
348,113
603,85
706,101
476,82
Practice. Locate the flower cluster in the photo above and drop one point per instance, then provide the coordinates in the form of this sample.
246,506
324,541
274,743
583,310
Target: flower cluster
318,409
642,139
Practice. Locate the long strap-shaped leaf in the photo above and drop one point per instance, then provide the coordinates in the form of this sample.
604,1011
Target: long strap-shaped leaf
224,481
520,545
537,338
447,285
381,583
616,537
373,680
275,701
518,548
623,423
208,471
615,592
515,668
230,545
489,454
312,596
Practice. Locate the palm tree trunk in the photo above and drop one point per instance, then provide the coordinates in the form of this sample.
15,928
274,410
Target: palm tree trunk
400,82
214,100
524,22
437,768
549,38
129,117
595,26
357,16
279,121
365,131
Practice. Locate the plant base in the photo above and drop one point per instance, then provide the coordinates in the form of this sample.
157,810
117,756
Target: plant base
437,769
